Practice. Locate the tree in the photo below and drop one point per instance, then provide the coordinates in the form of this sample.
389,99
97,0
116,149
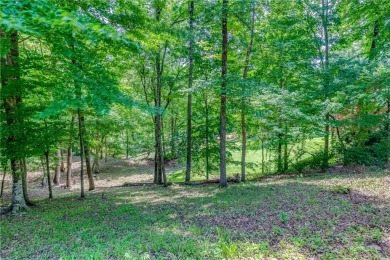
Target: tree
12,101
190,79
222,139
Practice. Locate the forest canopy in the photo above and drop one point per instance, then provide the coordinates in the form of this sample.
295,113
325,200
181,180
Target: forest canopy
305,83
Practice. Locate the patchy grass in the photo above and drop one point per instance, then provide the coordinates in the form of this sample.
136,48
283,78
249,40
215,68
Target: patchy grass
289,218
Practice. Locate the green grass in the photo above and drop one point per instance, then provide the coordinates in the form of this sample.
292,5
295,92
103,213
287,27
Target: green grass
284,219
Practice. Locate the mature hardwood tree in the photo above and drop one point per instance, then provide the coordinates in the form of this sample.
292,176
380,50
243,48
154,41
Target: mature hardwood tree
325,22
244,94
11,94
57,174
190,76
223,178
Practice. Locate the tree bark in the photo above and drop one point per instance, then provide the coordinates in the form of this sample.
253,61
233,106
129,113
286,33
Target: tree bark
127,144
280,162
190,78
207,139
69,168
96,166
82,193
105,148
11,89
160,173
223,180
285,156
89,167
57,174
48,174
325,8
25,183
2,182
243,99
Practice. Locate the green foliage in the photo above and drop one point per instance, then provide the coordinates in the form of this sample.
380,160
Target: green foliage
284,216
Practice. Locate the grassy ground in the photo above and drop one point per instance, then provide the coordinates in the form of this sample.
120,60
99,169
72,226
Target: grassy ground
328,216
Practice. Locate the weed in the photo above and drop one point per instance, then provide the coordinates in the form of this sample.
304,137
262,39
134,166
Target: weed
283,217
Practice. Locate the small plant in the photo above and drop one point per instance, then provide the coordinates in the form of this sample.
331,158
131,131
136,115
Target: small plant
229,250
283,217
376,234
278,230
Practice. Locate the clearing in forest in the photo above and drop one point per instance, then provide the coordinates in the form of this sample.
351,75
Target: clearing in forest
327,216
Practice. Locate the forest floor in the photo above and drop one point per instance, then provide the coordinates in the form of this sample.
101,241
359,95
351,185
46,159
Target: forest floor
321,216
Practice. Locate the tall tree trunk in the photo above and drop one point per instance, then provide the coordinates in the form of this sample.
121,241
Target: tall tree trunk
18,202
325,8
88,166
207,139
44,181
25,183
243,99
69,168
127,143
374,38
190,77
69,158
48,174
57,174
11,89
2,181
262,157
173,133
82,194
223,179
87,157
105,148
159,142
285,157
280,161
96,166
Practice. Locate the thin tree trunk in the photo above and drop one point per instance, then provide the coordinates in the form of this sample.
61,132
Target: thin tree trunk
325,7
82,194
262,157
173,141
48,174
243,100
280,163
69,168
43,183
2,181
127,143
285,157
88,166
106,149
101,147
190,78
223,179
374,38
207,139
96,166
56,180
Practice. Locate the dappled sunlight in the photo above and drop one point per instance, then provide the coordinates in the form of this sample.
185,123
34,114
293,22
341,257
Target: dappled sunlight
172,194
372,187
